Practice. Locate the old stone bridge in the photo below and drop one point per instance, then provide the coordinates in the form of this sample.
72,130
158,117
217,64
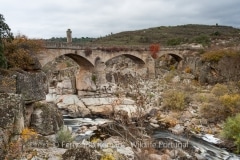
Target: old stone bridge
90,59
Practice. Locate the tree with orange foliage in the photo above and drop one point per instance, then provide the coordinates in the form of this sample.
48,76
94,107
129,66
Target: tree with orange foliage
20,51
154,48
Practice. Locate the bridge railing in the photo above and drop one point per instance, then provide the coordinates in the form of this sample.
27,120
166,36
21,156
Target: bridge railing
65,45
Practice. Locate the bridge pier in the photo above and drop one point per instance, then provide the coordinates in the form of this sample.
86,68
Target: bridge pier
150,64
99,72
85,83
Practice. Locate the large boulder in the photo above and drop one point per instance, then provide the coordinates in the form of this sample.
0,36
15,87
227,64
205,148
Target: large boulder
46,119
32,85
109,105
12,119
103,110
70,105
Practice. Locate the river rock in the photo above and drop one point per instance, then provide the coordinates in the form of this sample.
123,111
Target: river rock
158,157
50,97
199,157
120,146
154,125
72,106
103,110
75,110
98,101
195,121
204,122
106,101
131,110
153,120
178,129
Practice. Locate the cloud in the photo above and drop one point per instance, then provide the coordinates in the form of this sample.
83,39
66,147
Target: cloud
94,18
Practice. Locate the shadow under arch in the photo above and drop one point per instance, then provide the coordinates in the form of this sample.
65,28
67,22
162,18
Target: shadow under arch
178,58
81,61
175,56
137,60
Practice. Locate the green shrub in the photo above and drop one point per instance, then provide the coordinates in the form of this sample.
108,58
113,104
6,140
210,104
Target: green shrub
174,99
202,39
3,60
231,130
94,78
219,90
174,42
64,135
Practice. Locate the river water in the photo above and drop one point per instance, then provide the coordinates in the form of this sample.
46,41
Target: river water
205,148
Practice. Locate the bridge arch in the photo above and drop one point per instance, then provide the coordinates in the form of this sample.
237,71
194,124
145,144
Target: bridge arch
176,56
81,61
136,59
168,60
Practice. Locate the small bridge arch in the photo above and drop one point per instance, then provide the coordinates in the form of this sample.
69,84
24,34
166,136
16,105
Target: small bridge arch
135,59
81,61
50,54
175,55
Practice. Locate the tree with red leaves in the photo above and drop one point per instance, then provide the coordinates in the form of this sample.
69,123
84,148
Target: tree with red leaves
154,48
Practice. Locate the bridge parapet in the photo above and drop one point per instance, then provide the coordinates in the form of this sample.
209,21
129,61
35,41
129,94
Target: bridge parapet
80,46
64,45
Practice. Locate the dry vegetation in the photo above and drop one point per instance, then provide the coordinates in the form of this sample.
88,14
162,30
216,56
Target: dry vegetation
19,52
220,103
217,55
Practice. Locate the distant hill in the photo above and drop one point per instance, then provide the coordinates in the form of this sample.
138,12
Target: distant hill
169,36
172,35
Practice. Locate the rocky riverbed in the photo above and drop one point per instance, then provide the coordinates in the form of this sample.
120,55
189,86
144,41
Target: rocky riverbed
125,116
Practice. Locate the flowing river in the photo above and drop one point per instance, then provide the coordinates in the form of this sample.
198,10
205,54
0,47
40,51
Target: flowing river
208,150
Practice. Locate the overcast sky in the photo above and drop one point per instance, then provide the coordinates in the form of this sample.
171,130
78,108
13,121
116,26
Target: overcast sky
95,18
